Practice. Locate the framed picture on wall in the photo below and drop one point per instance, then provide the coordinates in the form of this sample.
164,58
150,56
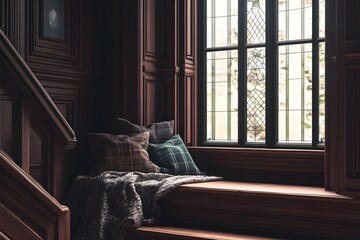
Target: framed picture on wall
54,19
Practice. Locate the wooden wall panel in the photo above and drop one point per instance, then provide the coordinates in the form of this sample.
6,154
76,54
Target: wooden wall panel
188,75
150,105
2,15
65,67
6,117
342,104
150,31
54,59
36,157
10,20
352,26
352,125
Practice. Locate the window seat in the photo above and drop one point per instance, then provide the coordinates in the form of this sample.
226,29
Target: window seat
265,210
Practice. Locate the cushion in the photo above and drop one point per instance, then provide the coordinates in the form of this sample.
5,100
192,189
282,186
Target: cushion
121,152
173,157
159,132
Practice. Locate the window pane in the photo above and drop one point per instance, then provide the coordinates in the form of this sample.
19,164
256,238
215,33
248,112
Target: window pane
322,18
294,19
256,21
295,93
222,95
256,94
222,23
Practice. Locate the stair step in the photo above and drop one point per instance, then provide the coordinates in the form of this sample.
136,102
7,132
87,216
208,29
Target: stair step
294,211
176,233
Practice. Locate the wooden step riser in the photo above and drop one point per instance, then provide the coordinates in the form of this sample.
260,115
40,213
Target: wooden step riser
171,233
273,213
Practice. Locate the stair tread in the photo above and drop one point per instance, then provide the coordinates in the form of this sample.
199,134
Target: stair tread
198,234
262,188
262,207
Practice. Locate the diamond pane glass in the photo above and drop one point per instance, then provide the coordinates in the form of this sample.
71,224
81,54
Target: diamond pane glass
222,95
294,19
256,25
256,95
295,93
222,23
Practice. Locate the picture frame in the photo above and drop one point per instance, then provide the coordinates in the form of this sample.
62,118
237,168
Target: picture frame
54,19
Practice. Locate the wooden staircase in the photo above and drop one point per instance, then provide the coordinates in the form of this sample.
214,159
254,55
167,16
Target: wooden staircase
235,210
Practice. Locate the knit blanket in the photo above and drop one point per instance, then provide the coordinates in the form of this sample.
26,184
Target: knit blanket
113,202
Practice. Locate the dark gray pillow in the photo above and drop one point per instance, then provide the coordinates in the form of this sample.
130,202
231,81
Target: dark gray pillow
159,132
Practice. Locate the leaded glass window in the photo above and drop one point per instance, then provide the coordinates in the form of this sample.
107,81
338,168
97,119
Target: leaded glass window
263,72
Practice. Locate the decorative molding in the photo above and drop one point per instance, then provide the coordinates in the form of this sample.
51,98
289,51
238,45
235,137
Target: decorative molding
150,106
3,15
352,22
351,26
9,20
69,59
190,32
352,123
150,31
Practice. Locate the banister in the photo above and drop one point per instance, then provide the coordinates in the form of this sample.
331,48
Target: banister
32,90
33,208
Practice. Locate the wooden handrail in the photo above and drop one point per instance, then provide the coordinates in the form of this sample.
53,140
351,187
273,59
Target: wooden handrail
32,90
27,210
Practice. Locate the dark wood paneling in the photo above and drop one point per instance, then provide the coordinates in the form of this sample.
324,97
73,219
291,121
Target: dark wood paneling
343,86
150,31
262,165
352,25
6,125
69,59
150,105
9,20
36,156
352,127
187,97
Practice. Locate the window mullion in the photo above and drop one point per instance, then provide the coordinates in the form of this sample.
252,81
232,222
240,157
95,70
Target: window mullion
271,74
315,74
242,75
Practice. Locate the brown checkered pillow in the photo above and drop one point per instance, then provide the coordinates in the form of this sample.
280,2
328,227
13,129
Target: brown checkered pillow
121,152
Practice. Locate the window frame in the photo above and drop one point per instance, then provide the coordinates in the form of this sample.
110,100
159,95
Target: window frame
271,47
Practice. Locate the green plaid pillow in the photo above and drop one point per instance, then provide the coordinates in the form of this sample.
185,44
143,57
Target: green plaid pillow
121,152
173,157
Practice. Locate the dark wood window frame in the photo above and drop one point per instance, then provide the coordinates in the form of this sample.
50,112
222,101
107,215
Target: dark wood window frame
280,163
271,45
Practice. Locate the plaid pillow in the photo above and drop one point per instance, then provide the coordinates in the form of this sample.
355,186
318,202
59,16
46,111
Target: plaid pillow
173,157
159,132
121,152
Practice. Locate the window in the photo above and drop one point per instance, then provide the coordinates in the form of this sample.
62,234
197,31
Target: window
263,72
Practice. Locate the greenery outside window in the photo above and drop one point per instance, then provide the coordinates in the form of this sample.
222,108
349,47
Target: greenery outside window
263,72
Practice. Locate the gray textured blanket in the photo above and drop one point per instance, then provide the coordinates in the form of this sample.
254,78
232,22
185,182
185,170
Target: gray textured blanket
113,202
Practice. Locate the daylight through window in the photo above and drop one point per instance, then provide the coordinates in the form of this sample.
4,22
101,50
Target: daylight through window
264,71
